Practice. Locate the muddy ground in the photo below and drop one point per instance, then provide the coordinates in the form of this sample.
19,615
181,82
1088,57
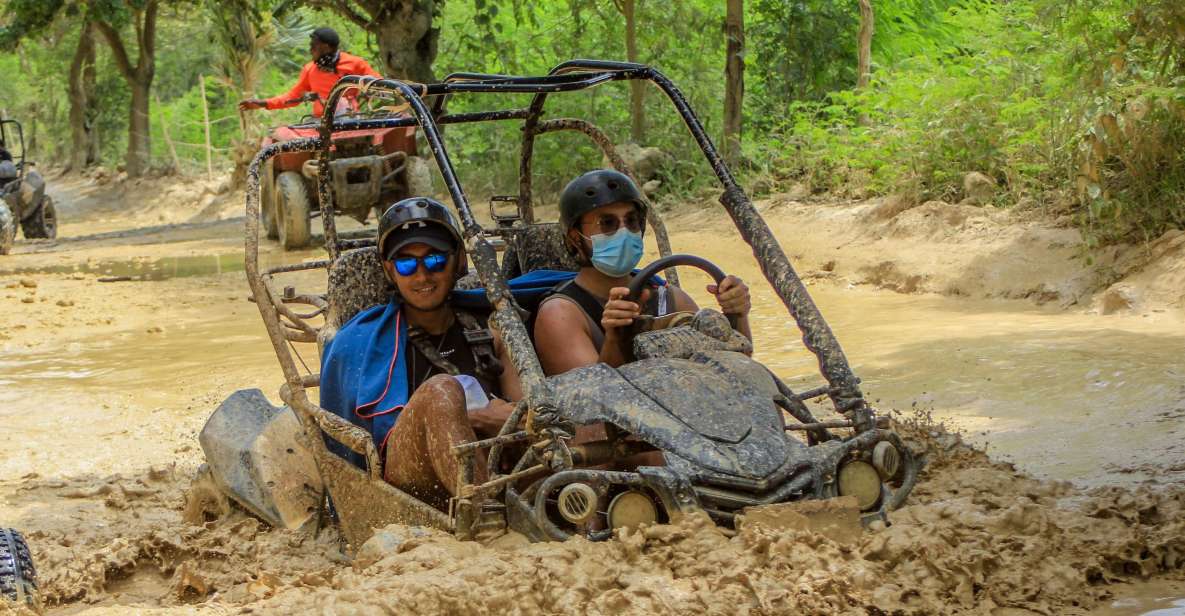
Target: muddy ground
1071,376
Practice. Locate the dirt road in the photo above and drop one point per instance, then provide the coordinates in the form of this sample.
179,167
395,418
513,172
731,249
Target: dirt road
104,386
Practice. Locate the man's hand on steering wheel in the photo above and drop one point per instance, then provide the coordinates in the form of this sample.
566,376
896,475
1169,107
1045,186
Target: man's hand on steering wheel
733,296
620,312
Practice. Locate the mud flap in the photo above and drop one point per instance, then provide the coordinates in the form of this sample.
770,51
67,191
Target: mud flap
837,518
256,456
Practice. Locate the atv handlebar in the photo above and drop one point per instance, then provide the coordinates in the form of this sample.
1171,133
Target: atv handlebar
648,272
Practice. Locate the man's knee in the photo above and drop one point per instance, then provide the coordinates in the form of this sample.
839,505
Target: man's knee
441,393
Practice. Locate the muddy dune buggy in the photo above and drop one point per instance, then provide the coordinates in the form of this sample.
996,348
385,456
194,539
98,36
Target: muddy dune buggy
375,164
732,435
23,200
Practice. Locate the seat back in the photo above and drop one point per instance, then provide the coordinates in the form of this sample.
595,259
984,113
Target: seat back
534,247
356,282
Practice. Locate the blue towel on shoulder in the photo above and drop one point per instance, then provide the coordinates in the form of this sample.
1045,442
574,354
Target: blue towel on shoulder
364,376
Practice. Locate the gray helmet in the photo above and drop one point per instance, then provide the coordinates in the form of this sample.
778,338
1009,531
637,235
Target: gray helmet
597,189
424,220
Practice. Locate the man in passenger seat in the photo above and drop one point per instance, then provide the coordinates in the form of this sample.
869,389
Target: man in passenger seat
587,320
416,373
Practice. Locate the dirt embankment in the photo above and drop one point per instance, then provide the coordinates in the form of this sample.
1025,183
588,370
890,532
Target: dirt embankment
966,250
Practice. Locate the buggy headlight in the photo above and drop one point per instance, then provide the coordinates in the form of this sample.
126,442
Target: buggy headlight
630,509
860,479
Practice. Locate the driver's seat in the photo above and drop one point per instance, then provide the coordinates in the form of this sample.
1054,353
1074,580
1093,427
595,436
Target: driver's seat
356,282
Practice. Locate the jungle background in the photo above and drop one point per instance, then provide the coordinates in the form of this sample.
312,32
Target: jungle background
1072,108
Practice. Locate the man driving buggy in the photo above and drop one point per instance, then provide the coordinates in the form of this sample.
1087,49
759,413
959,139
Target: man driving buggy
587,319
418,374
318,77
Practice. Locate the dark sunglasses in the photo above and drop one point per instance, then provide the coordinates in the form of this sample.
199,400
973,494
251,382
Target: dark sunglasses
608,224
434,262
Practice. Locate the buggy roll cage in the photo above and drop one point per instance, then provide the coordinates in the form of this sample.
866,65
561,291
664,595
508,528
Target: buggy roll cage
842,385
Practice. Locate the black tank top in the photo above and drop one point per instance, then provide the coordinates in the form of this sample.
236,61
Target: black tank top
595,308
454,348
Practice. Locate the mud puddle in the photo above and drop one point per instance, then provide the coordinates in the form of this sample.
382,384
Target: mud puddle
147,269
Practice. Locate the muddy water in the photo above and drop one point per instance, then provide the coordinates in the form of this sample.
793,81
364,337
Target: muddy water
1065,395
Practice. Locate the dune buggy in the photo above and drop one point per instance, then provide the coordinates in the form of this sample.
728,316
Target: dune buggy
369,165
731,434
23,200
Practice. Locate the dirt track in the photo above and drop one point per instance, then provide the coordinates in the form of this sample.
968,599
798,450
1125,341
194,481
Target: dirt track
105,385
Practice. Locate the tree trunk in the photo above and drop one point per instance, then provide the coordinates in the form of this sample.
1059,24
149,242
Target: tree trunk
734,78
864,42
82,103
407,39
139,79
139,146
637,87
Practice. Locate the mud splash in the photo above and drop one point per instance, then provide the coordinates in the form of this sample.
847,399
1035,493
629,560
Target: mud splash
978,537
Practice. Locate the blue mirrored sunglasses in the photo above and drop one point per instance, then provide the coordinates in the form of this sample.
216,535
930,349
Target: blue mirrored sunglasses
433,262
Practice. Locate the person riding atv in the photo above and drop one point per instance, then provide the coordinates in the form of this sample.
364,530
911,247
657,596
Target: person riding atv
367,167
24,201
318,77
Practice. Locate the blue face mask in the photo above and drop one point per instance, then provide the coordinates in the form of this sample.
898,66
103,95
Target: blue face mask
618,253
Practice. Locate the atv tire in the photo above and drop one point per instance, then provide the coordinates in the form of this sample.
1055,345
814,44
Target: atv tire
43,222
293,210
7,228
417,177
267,201
18,578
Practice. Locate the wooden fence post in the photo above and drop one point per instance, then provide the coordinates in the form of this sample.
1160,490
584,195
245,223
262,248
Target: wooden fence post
164,129
206,122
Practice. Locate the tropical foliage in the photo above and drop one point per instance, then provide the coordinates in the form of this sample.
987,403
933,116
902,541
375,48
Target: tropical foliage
1074,107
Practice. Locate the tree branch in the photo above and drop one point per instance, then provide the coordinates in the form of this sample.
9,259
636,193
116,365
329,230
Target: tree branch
149,41
346,9
117,50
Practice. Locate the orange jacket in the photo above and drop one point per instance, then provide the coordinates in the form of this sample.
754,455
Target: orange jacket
313,79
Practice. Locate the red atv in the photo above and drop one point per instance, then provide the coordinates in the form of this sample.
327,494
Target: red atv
369,167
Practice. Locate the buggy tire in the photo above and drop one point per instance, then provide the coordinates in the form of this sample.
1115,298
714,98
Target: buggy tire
18,578
7,228
293,210
43,222
417,177
267,201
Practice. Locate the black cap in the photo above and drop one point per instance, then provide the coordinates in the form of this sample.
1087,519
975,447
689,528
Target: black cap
419,232
326,35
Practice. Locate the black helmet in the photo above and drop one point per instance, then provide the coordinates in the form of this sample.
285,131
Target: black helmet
597,189
423,220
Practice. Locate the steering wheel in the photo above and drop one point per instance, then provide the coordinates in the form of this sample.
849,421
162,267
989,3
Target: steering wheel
648,272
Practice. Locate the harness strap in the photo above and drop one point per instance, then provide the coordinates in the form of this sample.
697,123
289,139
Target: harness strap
479,340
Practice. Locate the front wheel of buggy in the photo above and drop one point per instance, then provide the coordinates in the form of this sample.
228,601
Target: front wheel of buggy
18,578
293,210
43,224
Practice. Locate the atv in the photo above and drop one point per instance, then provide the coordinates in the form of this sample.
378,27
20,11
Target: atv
366,166
23,200
732,436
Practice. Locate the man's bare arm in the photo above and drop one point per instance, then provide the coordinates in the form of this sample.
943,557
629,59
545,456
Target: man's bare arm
562,338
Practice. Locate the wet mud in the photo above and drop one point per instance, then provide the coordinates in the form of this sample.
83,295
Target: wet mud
104,386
